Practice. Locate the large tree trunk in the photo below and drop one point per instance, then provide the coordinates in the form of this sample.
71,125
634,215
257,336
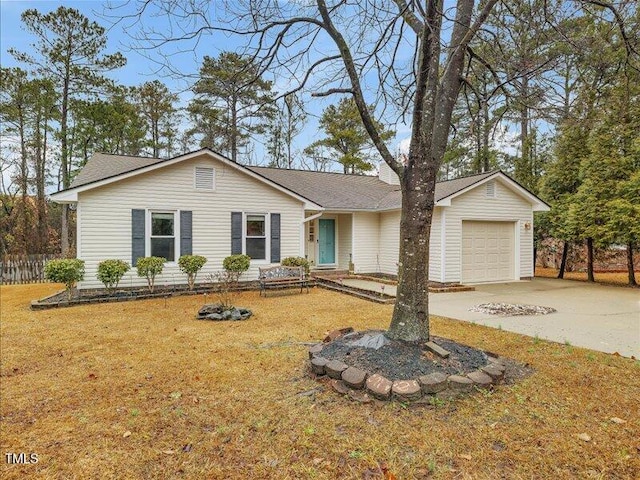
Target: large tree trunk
410,320
630,269
563,262
590,276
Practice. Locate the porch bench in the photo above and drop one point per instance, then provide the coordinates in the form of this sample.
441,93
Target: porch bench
280,277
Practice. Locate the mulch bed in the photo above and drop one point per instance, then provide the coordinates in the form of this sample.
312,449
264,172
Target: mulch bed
402,361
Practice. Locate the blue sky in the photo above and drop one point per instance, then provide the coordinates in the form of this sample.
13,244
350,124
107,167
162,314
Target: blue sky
139,67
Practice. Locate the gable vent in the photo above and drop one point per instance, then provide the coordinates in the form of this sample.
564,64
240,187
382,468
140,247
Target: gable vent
491,189
204,178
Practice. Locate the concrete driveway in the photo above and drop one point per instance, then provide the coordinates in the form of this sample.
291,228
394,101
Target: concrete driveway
592,316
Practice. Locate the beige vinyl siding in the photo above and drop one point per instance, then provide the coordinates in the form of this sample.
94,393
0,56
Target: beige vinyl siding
366,241
105,216
390,243
344,232
475,205
435,245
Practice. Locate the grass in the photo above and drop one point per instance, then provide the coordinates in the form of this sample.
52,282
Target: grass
608,278
143,390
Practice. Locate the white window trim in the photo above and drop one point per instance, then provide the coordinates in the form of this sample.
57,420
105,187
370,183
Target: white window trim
267,234
176,232
210,190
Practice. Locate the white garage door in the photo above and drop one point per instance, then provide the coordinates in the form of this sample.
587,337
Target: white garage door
488,251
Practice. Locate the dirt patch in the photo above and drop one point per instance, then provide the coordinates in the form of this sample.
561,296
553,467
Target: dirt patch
403,361
512,309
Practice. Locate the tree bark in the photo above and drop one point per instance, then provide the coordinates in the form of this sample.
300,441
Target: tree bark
630,269
590,276
563,262
410,321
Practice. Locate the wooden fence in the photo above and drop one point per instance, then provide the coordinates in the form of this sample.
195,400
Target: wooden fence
23,268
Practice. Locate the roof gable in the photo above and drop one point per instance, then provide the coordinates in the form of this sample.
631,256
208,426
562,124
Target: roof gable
103,170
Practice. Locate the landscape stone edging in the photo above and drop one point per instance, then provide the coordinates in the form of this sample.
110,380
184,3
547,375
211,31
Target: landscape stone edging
44,304
434,385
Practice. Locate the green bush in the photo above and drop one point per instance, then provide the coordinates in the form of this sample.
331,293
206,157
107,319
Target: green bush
191,265
296,262
67,270
110,272
149,267
237,263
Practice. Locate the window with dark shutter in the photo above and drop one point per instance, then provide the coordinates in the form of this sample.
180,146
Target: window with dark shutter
138,221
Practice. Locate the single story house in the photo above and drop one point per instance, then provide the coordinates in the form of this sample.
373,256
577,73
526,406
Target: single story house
205,204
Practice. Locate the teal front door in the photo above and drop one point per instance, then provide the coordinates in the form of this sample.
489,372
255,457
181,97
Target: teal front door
327,241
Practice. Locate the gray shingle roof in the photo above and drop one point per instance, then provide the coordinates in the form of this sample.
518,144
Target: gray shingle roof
335,191
104,165
354,192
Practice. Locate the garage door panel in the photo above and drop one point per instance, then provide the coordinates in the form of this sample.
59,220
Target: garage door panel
488,251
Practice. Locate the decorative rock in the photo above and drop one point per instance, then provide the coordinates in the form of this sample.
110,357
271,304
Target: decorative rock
334,369
208,309
379,387
494,372
480,379
437,349
497,362
213,316
317,365
433,383
340,387
235,315
407,389
354,377
315,350
337,333
459,383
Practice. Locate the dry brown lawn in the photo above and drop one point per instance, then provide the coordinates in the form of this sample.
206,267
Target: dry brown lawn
220,400
608,278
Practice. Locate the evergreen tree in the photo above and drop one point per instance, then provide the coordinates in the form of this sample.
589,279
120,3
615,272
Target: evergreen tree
157,106
232,102
346,138
68,51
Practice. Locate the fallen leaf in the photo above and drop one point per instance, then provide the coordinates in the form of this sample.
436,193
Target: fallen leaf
464,456
126,434
584,437
318,460
92,376
168,452
195,400
187,448
617,420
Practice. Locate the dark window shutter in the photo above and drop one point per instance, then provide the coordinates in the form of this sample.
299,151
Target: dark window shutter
138,222
186,244
236,233
275,238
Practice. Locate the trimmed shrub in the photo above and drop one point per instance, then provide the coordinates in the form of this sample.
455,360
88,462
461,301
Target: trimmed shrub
65,270
110,272
237,263
149,267
191,265
296,262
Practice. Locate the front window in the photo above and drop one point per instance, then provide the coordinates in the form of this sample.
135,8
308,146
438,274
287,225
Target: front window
256,236
163,239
